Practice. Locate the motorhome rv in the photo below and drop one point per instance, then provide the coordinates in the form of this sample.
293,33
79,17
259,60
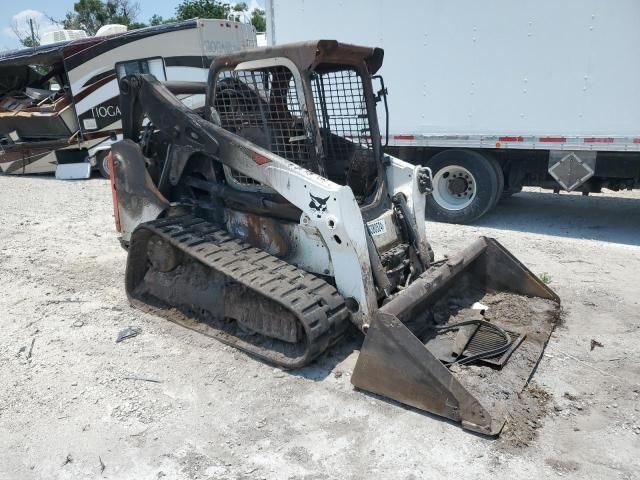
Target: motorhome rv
59,103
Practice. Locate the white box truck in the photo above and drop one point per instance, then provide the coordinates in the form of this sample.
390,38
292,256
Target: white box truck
494,96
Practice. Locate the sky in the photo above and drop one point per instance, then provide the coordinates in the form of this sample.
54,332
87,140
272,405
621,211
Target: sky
21,10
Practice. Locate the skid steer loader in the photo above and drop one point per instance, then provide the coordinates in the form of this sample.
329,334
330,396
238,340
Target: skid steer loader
272,220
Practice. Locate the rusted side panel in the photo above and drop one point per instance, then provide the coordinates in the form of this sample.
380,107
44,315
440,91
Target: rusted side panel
259,231
138,198
114,193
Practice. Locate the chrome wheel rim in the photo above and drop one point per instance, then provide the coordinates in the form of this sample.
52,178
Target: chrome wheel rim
454,187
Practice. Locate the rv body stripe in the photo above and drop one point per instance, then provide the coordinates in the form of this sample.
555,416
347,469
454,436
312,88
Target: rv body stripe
175,61
102,133
110,43
99,76
96,98
28,160
93,87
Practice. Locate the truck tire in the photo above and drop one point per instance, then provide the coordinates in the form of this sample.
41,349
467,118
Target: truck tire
102,163
466,185
499,175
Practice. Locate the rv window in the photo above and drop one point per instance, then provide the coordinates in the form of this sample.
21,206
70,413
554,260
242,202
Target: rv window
154,66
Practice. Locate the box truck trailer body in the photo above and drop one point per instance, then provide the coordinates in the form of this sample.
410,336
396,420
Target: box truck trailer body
494,96
73,114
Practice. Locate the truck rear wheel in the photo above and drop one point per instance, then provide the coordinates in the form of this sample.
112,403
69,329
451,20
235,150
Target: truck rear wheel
102,162
499,175
466,185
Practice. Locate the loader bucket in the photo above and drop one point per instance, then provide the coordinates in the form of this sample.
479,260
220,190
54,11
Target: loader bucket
415,353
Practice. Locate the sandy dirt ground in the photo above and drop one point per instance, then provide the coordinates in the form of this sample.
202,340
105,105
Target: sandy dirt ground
74,404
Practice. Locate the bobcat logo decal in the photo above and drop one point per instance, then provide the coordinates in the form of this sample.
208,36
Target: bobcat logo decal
319,205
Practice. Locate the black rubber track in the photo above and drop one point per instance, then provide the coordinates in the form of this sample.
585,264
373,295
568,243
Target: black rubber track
316,304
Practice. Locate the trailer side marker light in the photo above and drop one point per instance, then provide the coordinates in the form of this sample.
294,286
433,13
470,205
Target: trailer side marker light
598,140
511,139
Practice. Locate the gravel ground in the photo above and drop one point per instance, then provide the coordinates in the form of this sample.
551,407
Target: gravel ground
75,404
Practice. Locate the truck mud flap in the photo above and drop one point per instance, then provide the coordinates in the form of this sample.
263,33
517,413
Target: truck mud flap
424,347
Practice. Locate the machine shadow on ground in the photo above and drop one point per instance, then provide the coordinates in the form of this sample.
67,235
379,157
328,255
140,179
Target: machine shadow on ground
326,364
425,414
330,363
598,217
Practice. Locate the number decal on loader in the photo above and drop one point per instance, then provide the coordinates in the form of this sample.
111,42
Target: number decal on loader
377,227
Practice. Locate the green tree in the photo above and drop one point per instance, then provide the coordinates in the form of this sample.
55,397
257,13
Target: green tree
202,9
90,15
240,7
123,12
156,20
216,9
160,20
87,15
258,20
136,25
239,12
23,32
